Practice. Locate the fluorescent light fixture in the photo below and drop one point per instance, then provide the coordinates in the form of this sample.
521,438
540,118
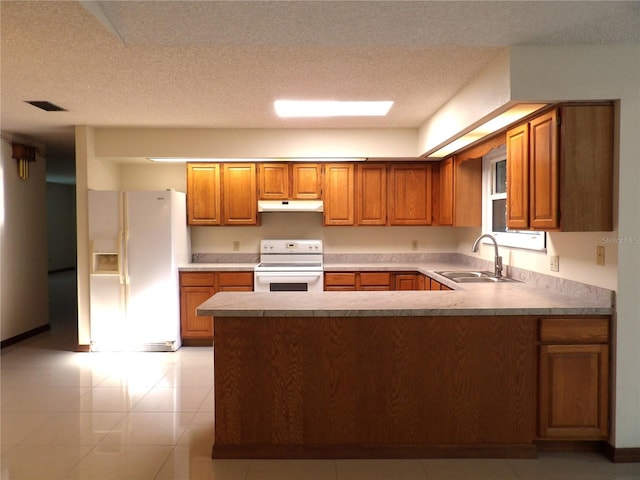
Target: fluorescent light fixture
502,120
210,160
331,108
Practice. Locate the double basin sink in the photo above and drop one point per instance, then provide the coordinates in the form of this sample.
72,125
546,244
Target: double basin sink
474,276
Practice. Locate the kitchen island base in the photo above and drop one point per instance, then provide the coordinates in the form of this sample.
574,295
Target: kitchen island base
374,387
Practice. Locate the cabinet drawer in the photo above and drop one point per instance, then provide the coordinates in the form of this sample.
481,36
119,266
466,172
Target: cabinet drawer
340,279
574,330
375,279
197,279
235,279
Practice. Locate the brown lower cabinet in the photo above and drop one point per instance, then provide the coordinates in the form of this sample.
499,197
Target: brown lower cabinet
573,372
354,281
195,288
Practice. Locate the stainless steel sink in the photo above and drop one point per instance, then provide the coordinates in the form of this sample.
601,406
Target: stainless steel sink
474,276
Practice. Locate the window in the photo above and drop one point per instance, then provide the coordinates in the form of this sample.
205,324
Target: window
494,205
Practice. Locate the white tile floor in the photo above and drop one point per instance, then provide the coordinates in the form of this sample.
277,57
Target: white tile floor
69,415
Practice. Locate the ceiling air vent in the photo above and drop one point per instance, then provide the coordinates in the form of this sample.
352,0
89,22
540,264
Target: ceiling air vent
46,106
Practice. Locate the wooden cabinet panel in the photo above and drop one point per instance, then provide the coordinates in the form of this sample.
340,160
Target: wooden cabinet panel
409,194
518,177
195,329
374,281
586,164
574,330
543,172
197,279
445,196
235,281
567,154
240,203
423,382
409,281
273,181
573,391
338,193
573,372
203,194
281,181
306,184
467,191
339,281
371,198
197,287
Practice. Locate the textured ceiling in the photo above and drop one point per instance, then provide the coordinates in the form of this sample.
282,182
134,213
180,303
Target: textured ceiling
221,64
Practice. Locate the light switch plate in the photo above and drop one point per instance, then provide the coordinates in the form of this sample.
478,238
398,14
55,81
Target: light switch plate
554,263
600,255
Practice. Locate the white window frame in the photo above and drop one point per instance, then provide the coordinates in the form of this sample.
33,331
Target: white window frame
525,239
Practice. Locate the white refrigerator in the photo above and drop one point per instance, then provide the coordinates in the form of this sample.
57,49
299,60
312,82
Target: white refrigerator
138,240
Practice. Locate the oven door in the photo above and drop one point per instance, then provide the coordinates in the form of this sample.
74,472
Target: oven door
288,281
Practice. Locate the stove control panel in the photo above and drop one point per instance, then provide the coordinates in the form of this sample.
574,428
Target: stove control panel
291,246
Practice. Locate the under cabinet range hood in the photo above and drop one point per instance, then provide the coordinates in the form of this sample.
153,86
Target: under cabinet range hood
290,206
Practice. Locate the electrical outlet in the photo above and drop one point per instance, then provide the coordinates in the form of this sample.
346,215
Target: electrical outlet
600,255
414,244
236,245
554,263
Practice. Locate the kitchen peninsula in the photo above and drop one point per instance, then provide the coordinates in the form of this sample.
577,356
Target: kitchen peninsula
458,373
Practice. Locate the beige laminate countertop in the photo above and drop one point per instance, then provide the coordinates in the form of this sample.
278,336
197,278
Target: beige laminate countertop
509,298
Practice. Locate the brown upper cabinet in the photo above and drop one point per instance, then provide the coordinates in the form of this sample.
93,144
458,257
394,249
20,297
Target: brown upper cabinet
221,194
409,194
457,185
371,197
339,193
239,196
560,170
203,194
282,181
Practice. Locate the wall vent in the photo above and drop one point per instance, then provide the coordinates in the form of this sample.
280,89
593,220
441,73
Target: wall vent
46,106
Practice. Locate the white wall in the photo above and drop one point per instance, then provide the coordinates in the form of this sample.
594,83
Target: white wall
485,95
119,143
23,230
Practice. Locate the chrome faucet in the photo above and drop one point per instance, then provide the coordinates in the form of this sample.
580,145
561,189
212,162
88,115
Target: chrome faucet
498,259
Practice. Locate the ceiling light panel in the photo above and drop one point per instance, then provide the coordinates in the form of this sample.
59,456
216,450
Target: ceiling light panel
331,108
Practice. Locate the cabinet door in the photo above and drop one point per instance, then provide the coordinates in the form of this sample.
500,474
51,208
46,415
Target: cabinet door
408,281
194,329
274,181
573,391
518,177
338,194
203,194
544,172
409,194
446,191
371,181
306,181
240,203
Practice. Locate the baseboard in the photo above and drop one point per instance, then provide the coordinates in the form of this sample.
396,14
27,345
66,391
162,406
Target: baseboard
23,336
570,446
284,451
83,348
621,455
